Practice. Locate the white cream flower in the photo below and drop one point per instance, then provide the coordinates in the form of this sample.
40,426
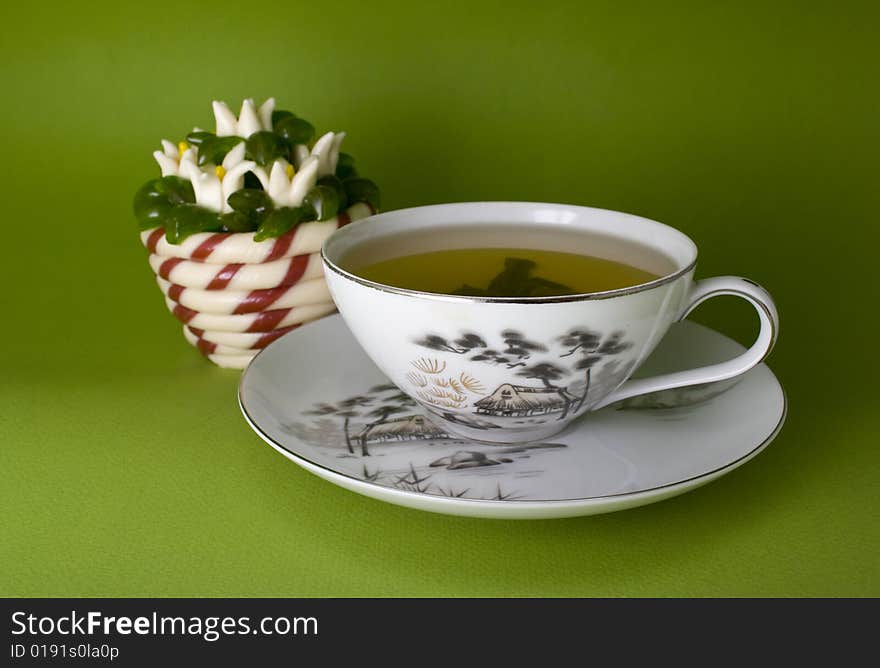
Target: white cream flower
326,149
169,157
214,184
288,186
250,120
285,185
300,152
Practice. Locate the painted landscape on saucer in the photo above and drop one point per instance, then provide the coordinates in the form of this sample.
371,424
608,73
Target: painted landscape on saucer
348,419
381,436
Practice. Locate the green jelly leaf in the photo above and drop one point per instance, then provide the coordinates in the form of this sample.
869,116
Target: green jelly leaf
264,147
279,115
280,221
150,206
214,149
345,160
252,181
197,137
334,182
331,180
186,219
236,221
176,189
154,200
362,190
248,199
323,201
295,130
255,205
345,172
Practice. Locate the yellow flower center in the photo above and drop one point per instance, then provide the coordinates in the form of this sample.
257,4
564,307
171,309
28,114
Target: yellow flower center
220,172
290,171
181,147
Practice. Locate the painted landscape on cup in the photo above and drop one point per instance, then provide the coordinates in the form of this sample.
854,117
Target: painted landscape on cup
549,380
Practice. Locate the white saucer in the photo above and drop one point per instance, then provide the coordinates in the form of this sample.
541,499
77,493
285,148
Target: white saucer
294,396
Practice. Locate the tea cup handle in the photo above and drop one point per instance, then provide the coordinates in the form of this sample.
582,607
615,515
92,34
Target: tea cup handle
700,292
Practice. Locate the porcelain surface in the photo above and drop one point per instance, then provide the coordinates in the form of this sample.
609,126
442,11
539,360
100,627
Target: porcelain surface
515,369
316,398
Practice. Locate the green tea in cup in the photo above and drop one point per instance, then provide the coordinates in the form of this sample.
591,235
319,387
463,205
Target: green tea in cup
504,272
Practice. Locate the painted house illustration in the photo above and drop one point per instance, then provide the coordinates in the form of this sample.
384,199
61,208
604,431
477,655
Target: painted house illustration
408,428
520,401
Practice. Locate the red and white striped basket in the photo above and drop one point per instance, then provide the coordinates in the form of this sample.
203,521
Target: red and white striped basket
235,295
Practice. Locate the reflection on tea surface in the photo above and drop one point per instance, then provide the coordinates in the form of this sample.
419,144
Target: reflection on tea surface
504,272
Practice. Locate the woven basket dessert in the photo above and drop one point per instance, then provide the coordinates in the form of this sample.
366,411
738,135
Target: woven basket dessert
234,227
235,295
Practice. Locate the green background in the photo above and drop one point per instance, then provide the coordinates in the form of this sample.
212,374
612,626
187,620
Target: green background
752,126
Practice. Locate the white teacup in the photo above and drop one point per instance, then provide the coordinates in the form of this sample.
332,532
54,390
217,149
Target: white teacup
511,369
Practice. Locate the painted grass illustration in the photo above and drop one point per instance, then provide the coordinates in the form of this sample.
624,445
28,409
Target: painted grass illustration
442,391
429,365
417,379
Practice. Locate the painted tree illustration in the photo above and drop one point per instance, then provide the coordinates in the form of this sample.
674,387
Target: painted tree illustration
517,347
546,372
346,409
380,415
400,398
592,349
460,346
609,376
322,432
